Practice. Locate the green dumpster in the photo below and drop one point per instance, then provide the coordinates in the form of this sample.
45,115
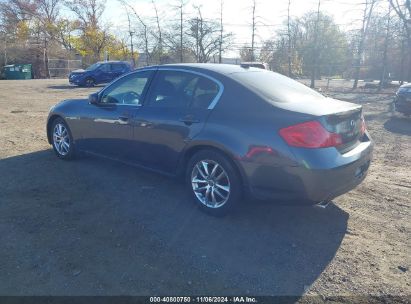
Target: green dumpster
18,71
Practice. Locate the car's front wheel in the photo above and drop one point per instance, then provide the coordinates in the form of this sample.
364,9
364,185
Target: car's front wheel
62,140
213,182
90,82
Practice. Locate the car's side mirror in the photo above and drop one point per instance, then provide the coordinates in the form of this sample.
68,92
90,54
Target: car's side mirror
93,98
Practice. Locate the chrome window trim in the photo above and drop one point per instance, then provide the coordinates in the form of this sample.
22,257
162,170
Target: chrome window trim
214,102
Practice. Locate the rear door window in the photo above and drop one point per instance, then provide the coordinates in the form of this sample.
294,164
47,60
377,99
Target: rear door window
117,67
105,68
182,89
204,92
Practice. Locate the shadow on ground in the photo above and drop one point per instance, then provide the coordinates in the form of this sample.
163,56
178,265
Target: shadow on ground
95,227
399,125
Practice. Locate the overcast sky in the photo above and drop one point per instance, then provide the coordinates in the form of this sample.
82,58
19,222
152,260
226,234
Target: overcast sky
237,14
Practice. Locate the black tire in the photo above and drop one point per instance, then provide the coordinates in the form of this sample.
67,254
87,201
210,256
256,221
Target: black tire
231,179
89,82
392,108
66,153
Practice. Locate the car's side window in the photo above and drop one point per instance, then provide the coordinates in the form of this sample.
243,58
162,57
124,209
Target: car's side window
204,92
105,68
117,67
181,89
167,90
127,90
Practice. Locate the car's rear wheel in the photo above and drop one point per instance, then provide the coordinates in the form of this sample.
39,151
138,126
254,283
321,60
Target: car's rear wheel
90,82
213,182
62,140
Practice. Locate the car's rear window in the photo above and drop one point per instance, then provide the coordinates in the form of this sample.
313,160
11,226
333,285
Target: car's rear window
276,87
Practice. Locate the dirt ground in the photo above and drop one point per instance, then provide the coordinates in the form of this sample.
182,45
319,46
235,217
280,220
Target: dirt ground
95,227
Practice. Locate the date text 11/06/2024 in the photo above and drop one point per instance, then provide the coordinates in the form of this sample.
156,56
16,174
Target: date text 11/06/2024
238,299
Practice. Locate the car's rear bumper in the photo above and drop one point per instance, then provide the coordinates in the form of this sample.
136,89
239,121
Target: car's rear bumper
320,175
402,103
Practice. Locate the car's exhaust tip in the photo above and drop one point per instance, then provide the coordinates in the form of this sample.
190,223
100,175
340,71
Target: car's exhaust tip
323,204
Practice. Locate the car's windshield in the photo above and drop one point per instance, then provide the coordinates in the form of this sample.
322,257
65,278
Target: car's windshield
93,67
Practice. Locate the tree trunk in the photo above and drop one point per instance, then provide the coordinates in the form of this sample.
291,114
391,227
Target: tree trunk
384,60
46,59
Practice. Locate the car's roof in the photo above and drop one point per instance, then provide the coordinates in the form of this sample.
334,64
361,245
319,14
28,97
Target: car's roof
214,67
112,61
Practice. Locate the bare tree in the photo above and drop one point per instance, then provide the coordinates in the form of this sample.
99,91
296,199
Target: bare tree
95,37
65,29
46,14
246,54
386,43
87,11
206,37
403,10
131,33
175,35
315,57
40,16
367,13
144,33
159,34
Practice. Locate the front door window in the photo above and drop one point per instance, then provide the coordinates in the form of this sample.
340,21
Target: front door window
128,90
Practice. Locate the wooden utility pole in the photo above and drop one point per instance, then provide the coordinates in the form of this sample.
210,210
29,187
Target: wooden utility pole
253,33
315,54
5,49
289,39
220,51
181,31
131,33
369,5
197,42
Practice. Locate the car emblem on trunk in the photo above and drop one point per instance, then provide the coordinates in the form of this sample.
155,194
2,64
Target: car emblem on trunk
352,123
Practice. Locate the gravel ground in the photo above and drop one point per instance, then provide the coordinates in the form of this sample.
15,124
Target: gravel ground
95,227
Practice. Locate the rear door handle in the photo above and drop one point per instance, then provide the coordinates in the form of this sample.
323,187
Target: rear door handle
189,120
144,123
123,118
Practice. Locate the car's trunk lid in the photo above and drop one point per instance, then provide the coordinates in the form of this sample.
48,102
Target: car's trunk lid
340,117
348,124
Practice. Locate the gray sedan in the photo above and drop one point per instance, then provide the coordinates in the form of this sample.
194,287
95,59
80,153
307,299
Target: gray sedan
228,130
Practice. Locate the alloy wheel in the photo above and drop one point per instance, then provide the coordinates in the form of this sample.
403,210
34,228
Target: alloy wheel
89,82
61,139
210,183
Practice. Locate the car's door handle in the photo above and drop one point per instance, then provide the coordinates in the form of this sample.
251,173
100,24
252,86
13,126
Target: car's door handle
123,118
189,120
144,123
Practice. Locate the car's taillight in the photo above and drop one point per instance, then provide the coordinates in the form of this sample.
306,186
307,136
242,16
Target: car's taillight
310,134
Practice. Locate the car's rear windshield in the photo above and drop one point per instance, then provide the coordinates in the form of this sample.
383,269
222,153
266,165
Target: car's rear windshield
276,87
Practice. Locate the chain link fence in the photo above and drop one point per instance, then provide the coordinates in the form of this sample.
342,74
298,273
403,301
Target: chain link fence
61,68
